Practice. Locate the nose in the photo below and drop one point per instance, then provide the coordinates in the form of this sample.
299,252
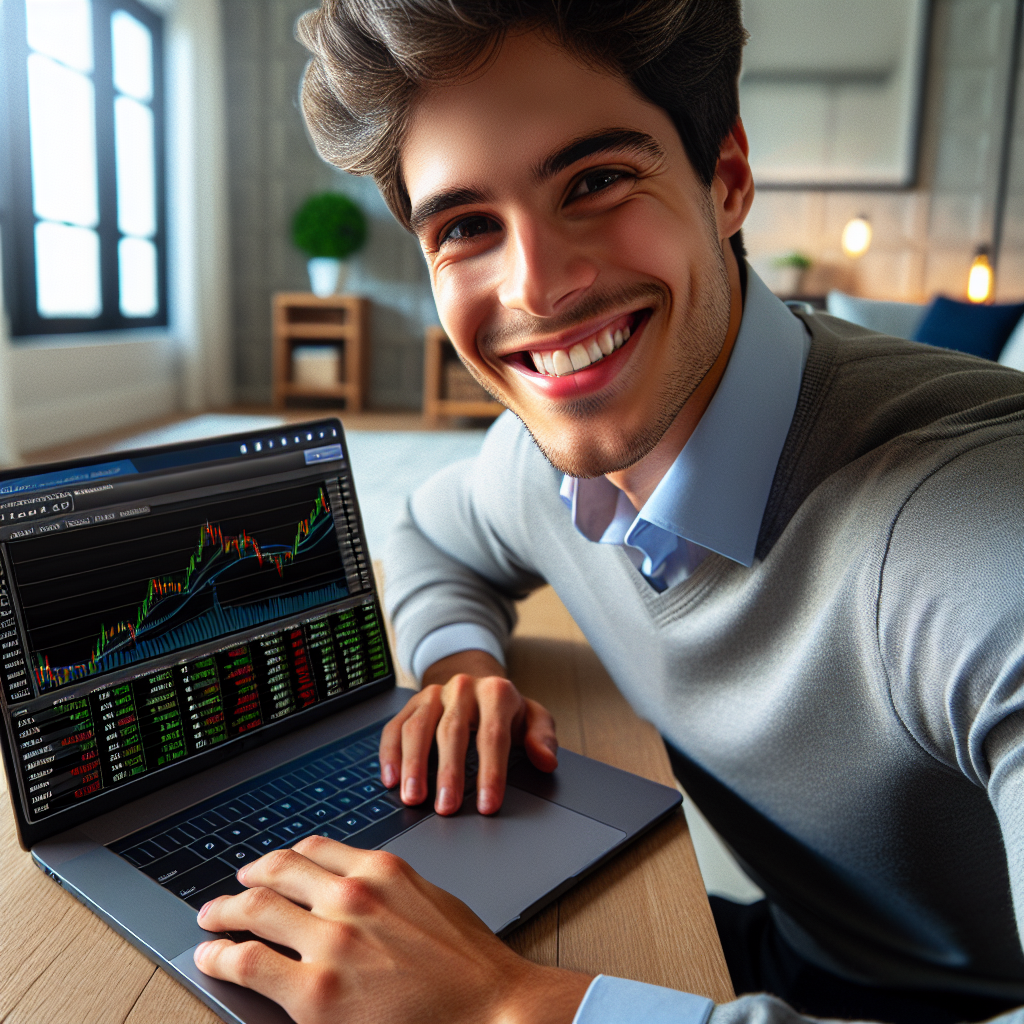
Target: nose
543,270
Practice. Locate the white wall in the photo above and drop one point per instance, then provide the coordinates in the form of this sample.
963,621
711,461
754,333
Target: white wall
62,388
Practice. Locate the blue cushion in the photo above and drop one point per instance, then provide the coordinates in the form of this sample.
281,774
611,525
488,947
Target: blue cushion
976,329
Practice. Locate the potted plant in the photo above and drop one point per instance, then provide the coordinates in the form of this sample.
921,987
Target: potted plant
328,228
789,271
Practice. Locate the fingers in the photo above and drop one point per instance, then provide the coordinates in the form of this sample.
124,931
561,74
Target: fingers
500,704
416,736
295,875
262,911
253,965
460,714
539,737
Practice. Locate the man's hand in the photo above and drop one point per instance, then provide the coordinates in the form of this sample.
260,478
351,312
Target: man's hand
378,943
460,693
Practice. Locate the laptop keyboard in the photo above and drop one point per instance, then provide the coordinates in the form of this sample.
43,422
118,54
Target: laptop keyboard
335,792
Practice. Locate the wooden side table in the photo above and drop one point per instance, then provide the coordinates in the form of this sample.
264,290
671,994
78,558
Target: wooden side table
448,387
338,321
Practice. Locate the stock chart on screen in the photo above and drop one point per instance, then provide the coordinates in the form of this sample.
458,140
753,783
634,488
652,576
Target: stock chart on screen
174,578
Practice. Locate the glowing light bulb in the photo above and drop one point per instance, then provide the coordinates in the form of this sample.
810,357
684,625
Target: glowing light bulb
856,236
979,281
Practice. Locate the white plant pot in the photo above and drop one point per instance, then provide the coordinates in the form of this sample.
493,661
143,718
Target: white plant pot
326,275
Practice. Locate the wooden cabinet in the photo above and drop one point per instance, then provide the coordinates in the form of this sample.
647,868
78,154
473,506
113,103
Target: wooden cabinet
449,389
338,321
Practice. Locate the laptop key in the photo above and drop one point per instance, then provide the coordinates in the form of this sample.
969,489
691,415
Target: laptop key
143,853
236,833
346,777
174,864
192,882
292,829
262,819
209,846
377,809
352,822
372,766
309,774
238,855
368,789
345,801
318,791
320,813
227,886
290,804
267,793
209,822
235,809
265,842
290,783
333,832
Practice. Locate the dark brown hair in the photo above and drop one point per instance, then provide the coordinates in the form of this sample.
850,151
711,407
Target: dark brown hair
371,56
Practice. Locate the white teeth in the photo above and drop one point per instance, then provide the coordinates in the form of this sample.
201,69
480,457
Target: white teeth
585,353
560,362
578,357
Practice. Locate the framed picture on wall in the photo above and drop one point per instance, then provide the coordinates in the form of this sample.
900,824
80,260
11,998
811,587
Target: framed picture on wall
831,93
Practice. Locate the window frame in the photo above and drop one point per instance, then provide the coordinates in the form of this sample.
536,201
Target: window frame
17,217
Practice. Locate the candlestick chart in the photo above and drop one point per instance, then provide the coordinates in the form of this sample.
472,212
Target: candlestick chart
113,595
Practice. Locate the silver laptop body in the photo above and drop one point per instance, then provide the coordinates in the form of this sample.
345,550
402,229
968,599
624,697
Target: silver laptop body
194,670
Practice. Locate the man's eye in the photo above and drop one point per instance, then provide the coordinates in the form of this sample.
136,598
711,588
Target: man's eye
469,227
595,182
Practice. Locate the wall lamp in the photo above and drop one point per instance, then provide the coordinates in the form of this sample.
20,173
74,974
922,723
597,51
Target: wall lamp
980,280
856,236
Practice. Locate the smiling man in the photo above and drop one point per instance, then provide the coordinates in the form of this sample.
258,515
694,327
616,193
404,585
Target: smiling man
797,547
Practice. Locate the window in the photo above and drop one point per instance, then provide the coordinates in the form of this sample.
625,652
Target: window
84,191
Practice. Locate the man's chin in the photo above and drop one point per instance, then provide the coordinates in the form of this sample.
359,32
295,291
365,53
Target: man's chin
584,459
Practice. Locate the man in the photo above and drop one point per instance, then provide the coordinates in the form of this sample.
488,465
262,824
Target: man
798,548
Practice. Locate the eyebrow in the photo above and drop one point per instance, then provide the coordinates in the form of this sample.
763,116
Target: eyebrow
620,139
441,201
607,140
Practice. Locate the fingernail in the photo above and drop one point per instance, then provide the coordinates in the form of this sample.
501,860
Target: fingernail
388,775
485,801
203,909
411,789
240,874
446,800
200,951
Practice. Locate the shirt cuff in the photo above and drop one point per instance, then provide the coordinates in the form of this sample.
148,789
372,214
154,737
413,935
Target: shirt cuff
459,636
613,1000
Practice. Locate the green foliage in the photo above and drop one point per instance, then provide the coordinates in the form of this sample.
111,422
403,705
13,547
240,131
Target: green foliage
329,224
794,259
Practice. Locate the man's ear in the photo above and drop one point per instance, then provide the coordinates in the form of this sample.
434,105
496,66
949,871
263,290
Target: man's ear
733,184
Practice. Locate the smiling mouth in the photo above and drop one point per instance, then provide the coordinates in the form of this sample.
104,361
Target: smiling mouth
563,362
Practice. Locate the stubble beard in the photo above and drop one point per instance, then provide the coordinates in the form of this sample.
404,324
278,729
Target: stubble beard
696,345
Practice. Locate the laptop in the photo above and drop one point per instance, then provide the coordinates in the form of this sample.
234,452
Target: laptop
194,671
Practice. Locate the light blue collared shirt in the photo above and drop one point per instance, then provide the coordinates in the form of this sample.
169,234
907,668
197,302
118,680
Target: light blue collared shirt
713,497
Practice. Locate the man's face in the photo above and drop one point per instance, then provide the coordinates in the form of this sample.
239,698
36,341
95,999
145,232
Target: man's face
576,259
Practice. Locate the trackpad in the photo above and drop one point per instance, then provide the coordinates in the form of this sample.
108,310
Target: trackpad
503,864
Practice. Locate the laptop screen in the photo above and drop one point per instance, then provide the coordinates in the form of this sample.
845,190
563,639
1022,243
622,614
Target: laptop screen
170,602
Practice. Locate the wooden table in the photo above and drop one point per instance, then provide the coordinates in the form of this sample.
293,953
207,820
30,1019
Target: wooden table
642,916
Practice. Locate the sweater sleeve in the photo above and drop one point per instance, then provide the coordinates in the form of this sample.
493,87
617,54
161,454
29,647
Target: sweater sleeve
462,552
951,630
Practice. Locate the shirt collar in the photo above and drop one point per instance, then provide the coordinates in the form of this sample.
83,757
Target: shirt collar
714,494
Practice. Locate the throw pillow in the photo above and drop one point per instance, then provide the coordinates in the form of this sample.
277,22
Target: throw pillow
976,329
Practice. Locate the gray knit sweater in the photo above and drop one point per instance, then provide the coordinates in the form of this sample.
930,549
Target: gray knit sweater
860,687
